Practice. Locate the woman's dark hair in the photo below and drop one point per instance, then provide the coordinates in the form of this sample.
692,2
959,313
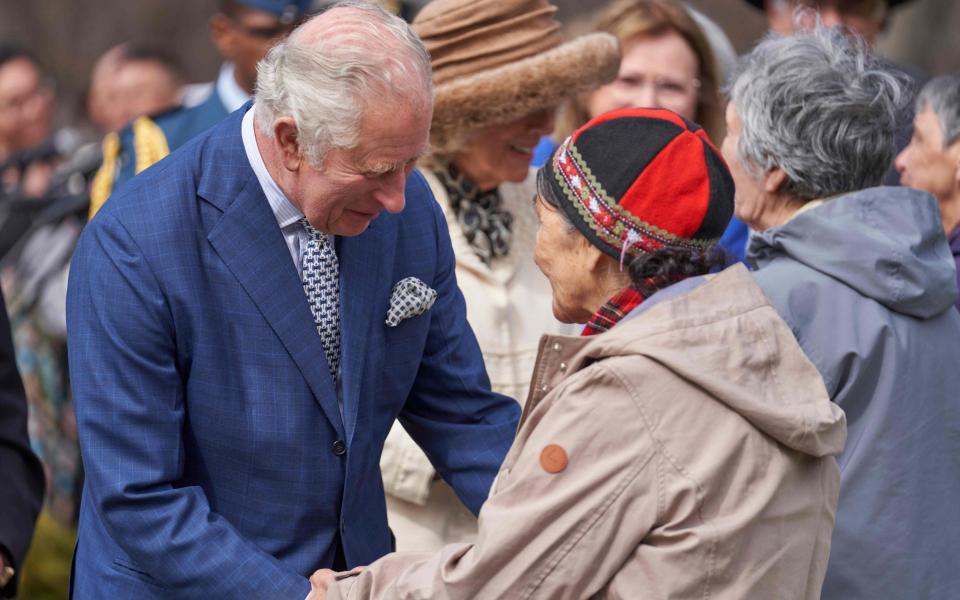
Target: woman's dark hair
546,192
651,271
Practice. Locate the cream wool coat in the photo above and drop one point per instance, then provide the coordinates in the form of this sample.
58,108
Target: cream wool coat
509,308
700,447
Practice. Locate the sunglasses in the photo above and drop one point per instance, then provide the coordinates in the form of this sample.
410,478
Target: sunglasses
264,33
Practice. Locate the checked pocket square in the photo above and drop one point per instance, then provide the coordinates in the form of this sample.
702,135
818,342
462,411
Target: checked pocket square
410,297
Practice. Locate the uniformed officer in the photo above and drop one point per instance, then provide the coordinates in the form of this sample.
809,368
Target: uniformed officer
243,31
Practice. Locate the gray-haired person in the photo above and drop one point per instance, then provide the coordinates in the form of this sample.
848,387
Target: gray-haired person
931,162
864,277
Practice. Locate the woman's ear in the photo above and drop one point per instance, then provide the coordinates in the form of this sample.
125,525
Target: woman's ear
595,261
286,136
774,180
592,256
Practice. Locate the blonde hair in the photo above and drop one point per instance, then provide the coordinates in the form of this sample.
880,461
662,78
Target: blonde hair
629,19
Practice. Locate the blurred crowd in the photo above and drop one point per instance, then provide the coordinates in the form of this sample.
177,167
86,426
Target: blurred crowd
657,54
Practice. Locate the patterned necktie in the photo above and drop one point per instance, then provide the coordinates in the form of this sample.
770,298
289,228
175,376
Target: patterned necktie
321,282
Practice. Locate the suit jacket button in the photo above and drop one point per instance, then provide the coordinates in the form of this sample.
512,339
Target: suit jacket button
339,448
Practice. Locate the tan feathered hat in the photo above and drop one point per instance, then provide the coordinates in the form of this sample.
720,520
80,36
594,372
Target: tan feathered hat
495,61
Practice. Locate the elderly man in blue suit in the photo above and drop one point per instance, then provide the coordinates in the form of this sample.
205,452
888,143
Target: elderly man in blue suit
248,317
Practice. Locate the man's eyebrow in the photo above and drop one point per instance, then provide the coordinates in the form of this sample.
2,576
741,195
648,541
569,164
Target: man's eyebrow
394,166
382,167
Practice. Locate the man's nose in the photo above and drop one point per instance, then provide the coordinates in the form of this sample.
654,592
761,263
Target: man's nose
391,193
900,162
646,96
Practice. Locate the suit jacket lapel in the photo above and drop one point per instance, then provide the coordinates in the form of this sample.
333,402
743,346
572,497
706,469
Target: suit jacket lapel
364,295
248,240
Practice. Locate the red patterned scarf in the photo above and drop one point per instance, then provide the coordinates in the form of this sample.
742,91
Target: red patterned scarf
615,309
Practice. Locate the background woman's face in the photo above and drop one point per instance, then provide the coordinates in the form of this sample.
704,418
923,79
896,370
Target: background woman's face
500,153
655,72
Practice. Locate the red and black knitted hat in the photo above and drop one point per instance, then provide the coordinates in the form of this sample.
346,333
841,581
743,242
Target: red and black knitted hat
638,179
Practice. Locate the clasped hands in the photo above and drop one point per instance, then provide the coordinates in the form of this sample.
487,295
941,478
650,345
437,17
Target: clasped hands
322,578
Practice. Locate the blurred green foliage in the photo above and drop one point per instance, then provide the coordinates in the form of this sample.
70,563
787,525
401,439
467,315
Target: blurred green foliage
46,570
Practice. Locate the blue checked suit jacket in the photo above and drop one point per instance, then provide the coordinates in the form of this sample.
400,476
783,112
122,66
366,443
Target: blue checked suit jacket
209,423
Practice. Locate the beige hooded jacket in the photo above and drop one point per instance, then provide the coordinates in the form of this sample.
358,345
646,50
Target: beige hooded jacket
687,453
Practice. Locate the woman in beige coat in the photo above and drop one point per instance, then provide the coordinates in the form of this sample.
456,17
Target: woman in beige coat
684,446
500,68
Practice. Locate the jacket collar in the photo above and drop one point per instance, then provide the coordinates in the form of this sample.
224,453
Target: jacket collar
248,240
722,336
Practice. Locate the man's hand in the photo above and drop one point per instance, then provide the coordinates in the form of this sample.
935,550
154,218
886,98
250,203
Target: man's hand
6,571
321,580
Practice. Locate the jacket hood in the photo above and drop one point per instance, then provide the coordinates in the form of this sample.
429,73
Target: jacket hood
725,337
887,243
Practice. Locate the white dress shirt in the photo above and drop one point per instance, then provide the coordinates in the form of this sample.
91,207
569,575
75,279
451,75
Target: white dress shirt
231,94
288,215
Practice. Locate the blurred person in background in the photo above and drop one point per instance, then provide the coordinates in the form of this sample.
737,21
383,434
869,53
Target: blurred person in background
865,279
130,80
667,63
136,86
26,102
35,245
683,446
126,81
931,162
500,68
30,148
865,18
101,104
242,31
21,474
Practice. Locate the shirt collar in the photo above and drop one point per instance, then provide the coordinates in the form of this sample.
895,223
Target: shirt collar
231,94
285,212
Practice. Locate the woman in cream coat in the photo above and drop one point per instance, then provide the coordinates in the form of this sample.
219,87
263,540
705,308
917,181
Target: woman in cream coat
500,68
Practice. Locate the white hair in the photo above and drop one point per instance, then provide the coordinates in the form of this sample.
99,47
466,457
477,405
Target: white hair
942,95
817,105
326,82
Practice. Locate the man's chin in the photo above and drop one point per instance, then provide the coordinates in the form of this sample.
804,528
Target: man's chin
353,223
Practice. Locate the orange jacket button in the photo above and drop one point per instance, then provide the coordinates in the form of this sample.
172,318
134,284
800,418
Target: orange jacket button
553,458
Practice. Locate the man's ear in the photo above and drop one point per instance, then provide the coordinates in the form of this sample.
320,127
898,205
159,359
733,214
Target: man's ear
222,34
286,136
774,180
